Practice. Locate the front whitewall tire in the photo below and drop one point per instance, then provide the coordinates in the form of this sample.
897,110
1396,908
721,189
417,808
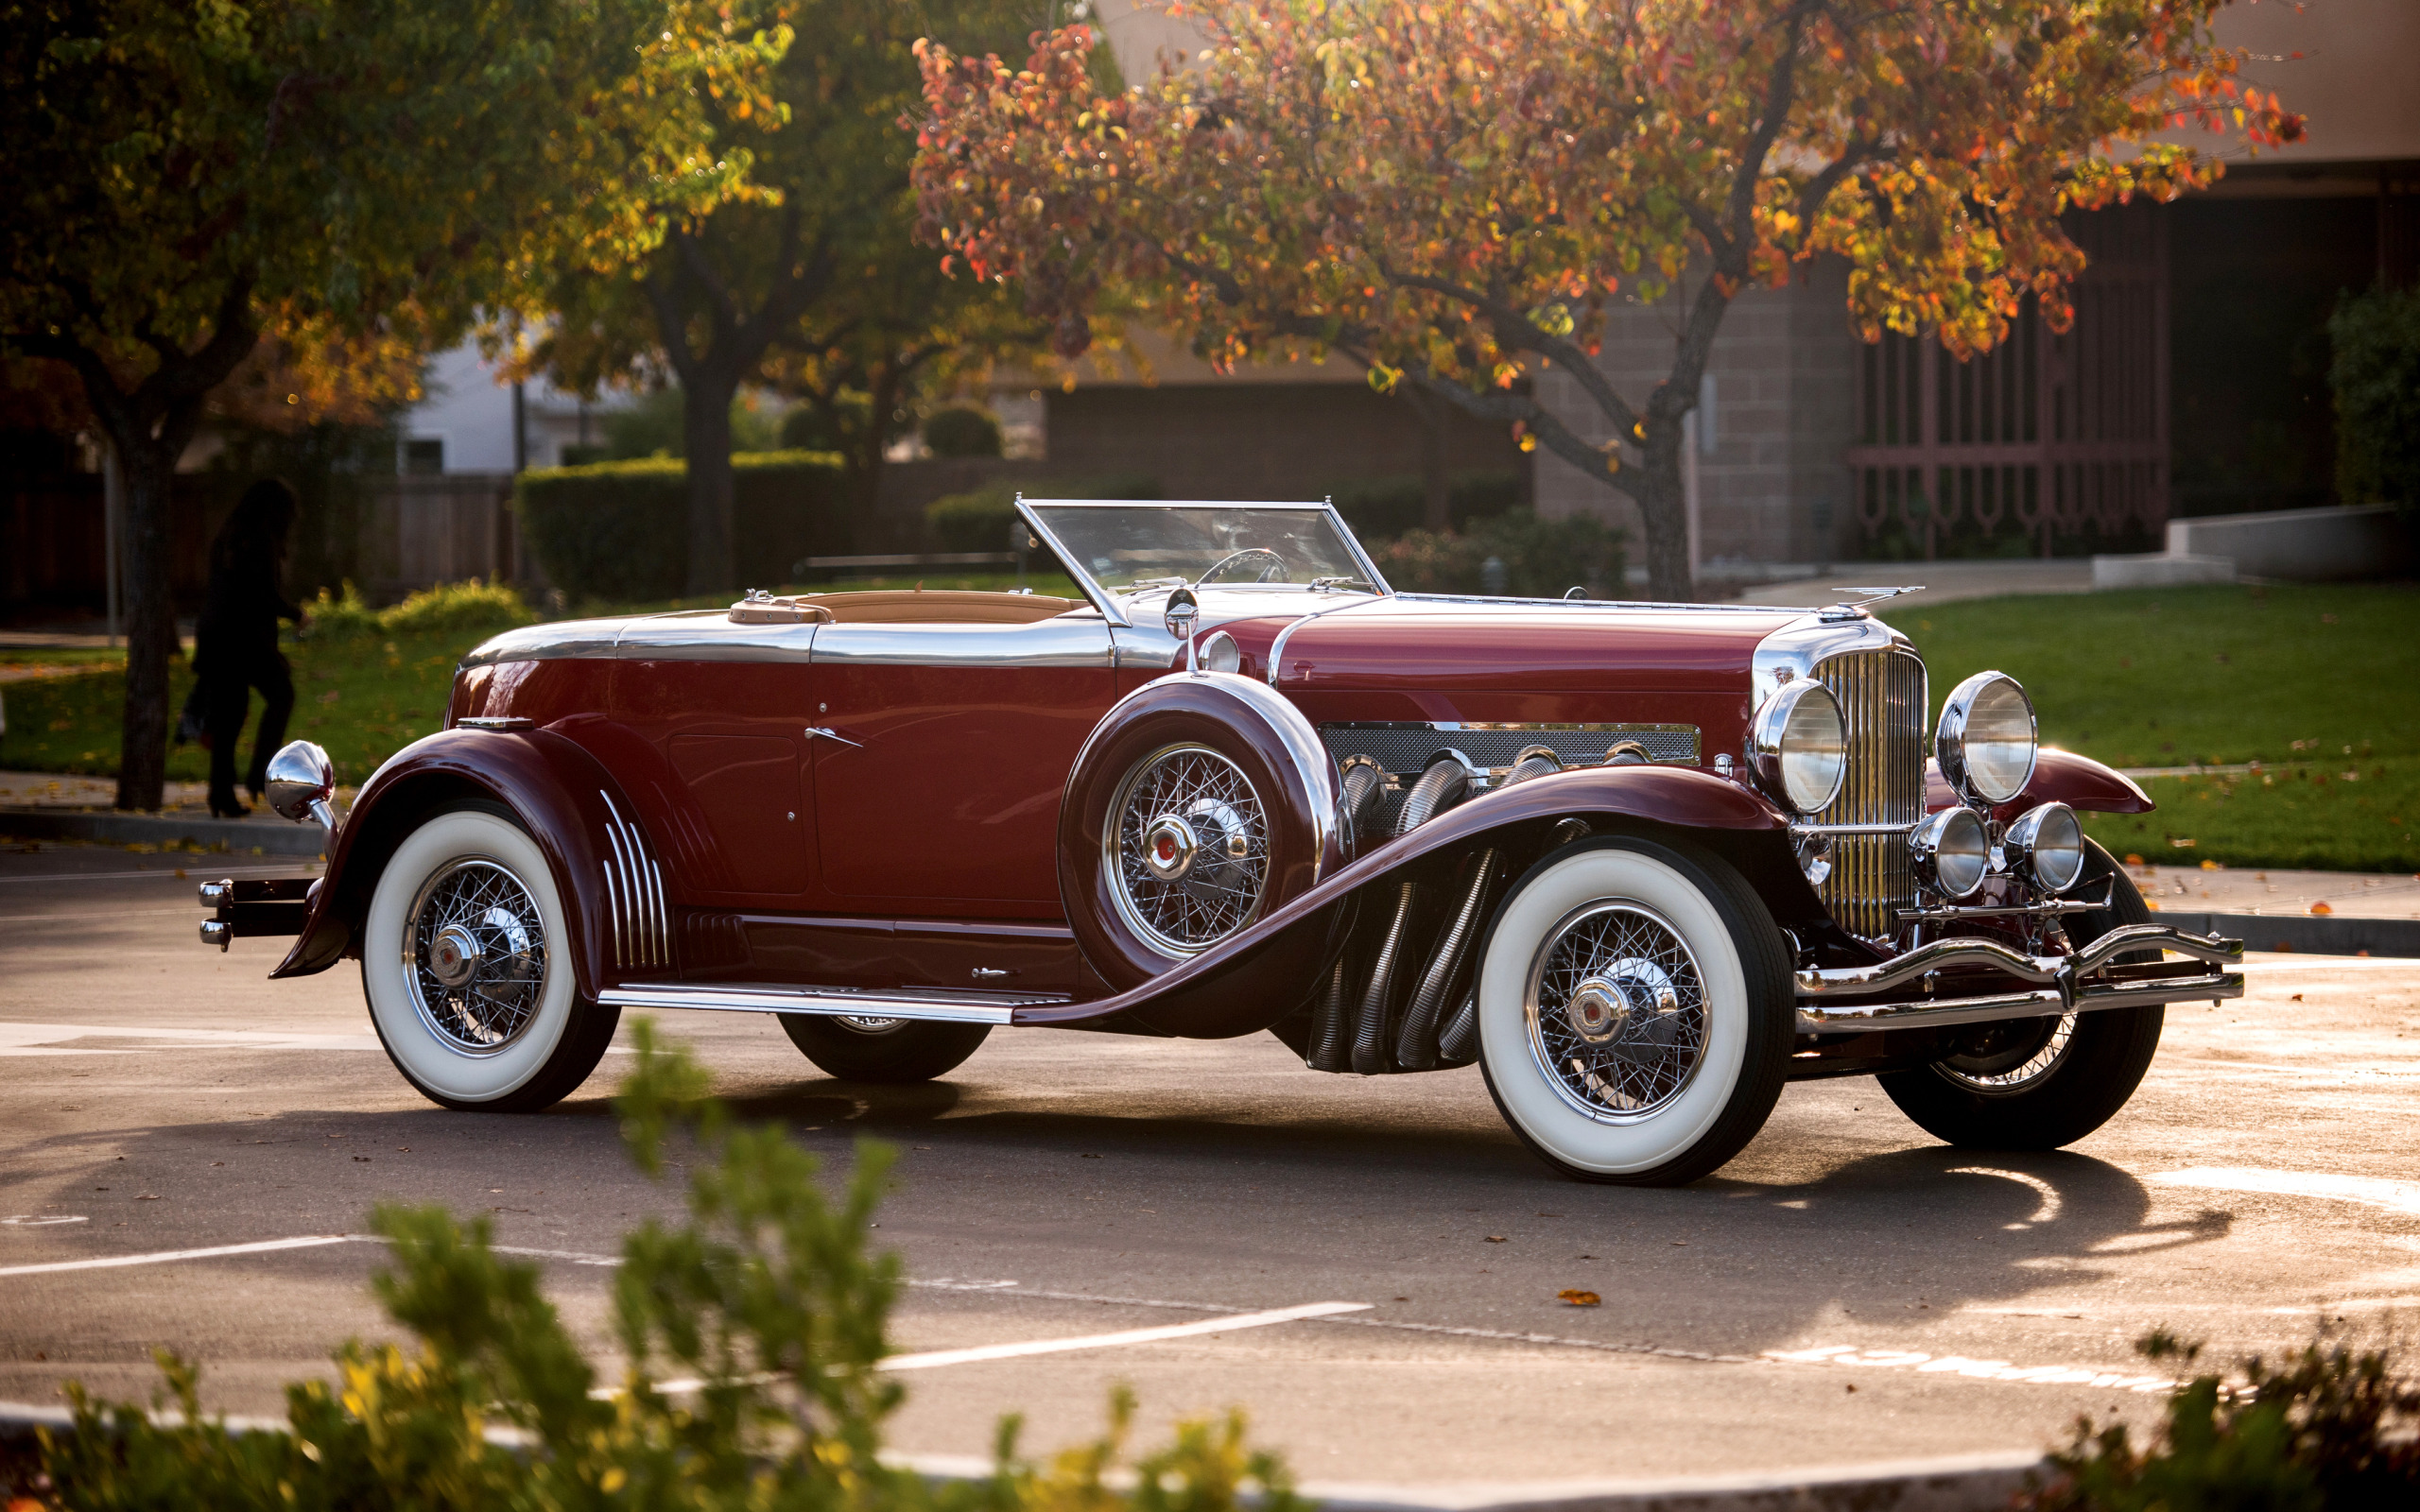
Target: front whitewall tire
533,1068
1723,963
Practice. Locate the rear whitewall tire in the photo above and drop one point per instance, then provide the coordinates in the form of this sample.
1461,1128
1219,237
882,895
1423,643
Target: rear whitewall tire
564,1037
1742,991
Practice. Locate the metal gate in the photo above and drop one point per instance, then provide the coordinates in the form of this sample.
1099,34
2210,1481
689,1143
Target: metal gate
2044,436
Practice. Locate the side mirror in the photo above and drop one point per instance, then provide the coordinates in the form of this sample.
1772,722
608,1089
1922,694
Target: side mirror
1184,609
301,779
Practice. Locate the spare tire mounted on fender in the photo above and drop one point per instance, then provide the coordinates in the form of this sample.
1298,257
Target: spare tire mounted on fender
1199,805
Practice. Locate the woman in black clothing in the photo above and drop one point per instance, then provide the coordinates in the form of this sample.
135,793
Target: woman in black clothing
235,643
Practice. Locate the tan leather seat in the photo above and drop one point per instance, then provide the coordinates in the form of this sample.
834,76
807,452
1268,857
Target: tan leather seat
939,607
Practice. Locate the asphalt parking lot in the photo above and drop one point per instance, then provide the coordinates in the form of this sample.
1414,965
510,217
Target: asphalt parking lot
1847,1290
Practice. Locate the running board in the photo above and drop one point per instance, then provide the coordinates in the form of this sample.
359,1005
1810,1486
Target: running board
937,1004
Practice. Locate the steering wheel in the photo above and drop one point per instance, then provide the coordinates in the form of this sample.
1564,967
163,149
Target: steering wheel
1273,573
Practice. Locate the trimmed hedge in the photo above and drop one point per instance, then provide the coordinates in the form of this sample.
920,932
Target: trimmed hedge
1541,559
2376,378
1386,508
978,520
620,530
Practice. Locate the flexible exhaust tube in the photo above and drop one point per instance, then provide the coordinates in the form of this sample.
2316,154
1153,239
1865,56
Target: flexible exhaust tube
1419,1045
1416,1048
1365,792
1447,782
1327,1025
1458,1044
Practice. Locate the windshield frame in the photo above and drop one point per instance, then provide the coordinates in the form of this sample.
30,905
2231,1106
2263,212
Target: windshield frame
1112,604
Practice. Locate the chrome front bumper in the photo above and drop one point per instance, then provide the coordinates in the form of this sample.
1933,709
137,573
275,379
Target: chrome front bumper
2067,984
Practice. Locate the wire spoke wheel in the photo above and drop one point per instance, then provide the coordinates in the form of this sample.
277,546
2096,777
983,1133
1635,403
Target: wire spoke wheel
1617,1011
1189,849
2009,1071
474,957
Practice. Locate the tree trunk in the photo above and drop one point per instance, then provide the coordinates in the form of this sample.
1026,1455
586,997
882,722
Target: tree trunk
1437,488
150,621
707,394
1664,512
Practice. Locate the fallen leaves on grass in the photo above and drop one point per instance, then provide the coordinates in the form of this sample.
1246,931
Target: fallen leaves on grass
2321,909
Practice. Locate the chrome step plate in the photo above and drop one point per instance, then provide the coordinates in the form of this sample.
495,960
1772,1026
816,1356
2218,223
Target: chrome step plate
933,1005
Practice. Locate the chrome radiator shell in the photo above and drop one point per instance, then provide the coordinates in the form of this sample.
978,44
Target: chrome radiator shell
1880,683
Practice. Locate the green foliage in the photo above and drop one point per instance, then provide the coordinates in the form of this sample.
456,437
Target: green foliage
764,1297
2376,378
467,605
2327,1428
619,530
1381,508
2285,674
979,518
960,431
1541,559
651,426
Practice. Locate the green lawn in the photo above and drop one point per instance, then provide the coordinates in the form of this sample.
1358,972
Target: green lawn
2311,683
361,697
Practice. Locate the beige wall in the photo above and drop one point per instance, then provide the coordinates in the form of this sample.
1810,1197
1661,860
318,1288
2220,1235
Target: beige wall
2358,79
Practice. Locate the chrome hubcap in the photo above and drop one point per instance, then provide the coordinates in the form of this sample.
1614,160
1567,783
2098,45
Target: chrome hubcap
1188,848
1617,1012
454,956
475,954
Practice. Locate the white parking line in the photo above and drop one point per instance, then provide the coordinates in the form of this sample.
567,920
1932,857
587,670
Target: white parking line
2397,1196
1112,1340
163,1257
19,1040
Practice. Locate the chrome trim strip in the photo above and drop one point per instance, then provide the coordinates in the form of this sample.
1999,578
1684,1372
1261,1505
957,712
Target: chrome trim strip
1064,641
1277,648
1850,981
708,635
642,924
1587,603
1799,829
929,1004
561,639
2042,910
2039,1003
497,722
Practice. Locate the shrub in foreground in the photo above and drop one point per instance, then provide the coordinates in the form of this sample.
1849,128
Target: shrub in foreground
764,1305
469,606
2329,1427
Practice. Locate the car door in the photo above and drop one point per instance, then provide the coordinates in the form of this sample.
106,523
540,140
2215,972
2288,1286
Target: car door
939,753
720,713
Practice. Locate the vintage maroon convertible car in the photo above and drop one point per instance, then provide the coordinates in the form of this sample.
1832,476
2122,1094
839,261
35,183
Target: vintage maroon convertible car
1643,863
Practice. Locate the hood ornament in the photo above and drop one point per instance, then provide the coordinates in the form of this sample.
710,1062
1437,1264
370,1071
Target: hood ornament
1845,609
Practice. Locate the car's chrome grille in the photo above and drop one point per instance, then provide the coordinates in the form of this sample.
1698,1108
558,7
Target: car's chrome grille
1882,693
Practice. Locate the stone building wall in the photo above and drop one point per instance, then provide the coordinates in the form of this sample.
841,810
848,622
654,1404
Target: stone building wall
1772,485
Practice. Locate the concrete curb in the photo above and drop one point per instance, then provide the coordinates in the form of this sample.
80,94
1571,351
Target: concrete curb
2317,934
273,837
1961,1483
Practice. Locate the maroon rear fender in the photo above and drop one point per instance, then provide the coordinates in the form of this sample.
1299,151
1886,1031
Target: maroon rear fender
1261,974
560,794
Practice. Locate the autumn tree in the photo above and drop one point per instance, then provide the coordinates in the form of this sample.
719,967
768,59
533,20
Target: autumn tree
813,283
1452,193
182,177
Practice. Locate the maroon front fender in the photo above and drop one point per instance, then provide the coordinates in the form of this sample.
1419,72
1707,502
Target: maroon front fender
1254,978
555,789
2059,777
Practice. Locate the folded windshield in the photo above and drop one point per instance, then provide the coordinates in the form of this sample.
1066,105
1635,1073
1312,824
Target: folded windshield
1126,547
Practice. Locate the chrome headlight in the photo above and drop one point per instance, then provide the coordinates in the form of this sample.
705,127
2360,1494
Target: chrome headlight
1951,853
1798,746
1987,740
2046,846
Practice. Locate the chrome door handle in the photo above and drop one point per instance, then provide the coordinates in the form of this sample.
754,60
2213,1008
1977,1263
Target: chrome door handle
814,731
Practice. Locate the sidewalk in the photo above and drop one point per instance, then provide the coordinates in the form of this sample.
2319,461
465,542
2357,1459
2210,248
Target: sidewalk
58,806
1944,582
